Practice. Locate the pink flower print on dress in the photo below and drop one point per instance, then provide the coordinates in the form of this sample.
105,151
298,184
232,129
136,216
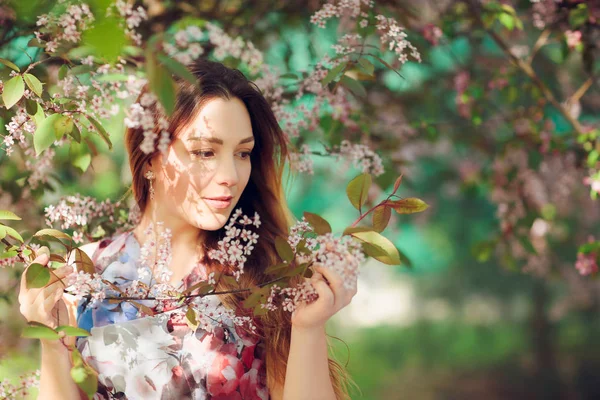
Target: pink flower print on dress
251,385
225,372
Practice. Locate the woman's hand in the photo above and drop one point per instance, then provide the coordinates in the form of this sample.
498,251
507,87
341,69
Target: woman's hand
333,296
45,305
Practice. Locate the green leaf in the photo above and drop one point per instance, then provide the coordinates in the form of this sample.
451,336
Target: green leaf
355,86
53,233
106,38
333,73
284,249
85,377
162,85
319,224
397,184
84,262
31,106
45,134
351,229
527,245
34,84
5,214
9,254
578,16
358,190
254,297
410,205
276,268
381,218
56,257
63,125
392,256
39,332
372,250
191,319
507,20
100,129
366,65
10,231
177,68
62,72
76,133
13,91
79,156
482,251
37,276
72,331
10,64
2,232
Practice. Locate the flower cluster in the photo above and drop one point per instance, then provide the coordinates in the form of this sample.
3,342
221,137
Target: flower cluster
20,124
97,99
341,8
432,33
76,212
342,255
586,263
141,116
362,157
64,28
186,49
301,161
298,232
231,251
210,316
82,284
394,36
238,48
133,18
20,390
291,296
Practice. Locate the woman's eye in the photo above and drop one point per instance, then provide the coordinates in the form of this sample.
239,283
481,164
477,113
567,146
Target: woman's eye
209,153
202,153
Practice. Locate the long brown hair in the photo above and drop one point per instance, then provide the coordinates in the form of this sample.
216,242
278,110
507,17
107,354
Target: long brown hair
264,194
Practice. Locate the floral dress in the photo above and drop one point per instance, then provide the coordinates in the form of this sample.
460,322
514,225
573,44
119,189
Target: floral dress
161,356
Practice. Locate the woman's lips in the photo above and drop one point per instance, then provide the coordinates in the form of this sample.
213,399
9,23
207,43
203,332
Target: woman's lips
218,204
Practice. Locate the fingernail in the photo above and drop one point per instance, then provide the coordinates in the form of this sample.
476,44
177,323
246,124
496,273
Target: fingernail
43,250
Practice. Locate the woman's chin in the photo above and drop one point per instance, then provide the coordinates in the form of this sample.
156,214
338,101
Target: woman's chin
213,223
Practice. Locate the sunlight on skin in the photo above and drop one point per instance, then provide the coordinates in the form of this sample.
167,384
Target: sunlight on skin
196,168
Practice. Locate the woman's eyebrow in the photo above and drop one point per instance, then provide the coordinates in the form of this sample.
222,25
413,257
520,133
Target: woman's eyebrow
219,141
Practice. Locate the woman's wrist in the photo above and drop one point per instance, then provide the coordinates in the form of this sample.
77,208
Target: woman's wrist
52,345
308,330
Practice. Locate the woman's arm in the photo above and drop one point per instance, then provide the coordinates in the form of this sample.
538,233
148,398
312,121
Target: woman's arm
55,378
307,375
55,372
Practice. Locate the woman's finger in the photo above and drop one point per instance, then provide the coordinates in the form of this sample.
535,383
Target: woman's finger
335,280
51,300
324,291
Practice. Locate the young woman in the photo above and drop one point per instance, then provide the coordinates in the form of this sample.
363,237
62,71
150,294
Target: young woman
227,151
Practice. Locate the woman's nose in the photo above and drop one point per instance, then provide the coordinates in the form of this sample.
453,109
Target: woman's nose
228,173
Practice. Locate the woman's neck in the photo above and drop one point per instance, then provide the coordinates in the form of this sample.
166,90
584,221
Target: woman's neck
186,242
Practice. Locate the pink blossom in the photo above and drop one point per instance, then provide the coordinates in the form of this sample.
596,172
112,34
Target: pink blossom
586,263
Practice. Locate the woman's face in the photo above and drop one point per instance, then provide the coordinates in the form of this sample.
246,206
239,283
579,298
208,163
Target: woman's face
209,158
